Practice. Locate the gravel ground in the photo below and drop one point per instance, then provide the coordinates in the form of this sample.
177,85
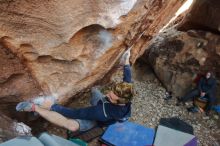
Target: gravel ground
149,106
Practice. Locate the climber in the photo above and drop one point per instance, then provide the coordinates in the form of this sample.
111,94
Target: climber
106,109
205,88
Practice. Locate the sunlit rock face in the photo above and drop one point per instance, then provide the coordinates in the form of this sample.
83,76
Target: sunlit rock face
47,24
204,15
63,47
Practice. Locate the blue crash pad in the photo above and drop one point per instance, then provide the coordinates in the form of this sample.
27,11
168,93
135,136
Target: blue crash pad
128,134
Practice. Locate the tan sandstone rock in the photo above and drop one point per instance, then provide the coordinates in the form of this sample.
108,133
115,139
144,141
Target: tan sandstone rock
43,34
66,46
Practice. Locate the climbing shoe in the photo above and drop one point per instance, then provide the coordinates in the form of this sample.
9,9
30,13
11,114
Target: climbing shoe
180,101
193,109
25,106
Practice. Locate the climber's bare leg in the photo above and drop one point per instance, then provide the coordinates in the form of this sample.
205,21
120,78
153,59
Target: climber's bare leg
57,119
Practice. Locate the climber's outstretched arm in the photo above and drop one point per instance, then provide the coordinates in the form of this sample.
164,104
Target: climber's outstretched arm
127,68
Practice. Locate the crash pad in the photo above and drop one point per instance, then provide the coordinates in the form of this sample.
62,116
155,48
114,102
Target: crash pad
128,134
166,136
23,141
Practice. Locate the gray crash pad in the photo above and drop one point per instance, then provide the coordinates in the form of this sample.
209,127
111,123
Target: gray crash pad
23,141
44,139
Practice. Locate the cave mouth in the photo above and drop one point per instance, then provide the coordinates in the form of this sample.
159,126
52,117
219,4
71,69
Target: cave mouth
143,71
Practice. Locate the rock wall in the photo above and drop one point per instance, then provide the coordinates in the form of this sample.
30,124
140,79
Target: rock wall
7,128
16,83
204,15
65,47
177,57
43,35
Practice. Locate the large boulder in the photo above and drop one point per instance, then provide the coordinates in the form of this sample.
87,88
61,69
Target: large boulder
63,47
178,57
43,35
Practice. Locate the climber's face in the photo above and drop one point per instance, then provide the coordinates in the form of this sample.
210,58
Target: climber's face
112,97
208,75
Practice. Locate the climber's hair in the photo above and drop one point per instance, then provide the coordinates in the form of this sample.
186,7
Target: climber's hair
124,91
